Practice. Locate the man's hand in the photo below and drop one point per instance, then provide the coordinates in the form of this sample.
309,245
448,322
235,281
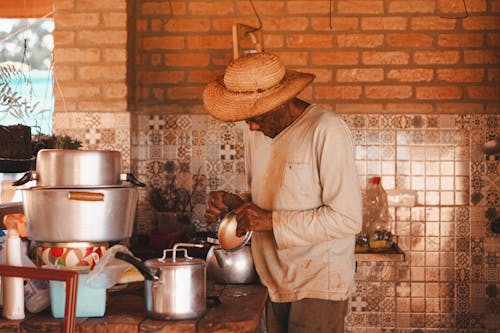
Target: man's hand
220,203
251,217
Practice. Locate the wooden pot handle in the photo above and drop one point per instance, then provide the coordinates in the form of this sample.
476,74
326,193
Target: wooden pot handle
86,196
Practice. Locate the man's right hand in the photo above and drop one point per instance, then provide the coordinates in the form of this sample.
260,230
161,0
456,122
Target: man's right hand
220,203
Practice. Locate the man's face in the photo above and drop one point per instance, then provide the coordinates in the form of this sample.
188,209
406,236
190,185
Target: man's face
270,123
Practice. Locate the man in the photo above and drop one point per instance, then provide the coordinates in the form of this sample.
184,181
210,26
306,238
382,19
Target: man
304,205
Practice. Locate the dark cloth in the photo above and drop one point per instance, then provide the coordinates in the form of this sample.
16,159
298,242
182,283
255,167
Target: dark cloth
306,316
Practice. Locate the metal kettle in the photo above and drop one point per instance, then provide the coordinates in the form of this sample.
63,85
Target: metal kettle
232,267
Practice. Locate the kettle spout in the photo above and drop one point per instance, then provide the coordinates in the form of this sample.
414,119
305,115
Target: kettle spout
222,258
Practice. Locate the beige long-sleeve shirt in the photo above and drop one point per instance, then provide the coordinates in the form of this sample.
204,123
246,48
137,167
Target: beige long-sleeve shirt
307,176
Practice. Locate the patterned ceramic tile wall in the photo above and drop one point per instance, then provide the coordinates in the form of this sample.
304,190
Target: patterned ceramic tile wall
450,279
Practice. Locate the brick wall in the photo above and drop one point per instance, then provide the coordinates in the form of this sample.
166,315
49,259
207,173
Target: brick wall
371,56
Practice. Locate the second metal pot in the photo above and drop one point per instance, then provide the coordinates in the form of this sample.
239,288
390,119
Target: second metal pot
175,288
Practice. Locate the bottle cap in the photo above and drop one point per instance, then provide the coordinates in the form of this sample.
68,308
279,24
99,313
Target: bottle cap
376,180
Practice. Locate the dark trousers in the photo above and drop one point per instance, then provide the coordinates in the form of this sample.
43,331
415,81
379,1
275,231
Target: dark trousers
306,316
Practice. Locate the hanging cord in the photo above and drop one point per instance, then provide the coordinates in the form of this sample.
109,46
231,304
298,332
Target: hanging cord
258,18
465,15
170,14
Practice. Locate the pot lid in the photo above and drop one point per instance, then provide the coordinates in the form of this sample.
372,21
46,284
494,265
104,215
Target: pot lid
227,234
175,260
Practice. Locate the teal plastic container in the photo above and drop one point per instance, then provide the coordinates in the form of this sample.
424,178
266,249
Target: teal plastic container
90,302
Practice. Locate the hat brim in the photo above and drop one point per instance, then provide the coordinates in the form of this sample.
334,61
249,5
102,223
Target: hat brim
227,105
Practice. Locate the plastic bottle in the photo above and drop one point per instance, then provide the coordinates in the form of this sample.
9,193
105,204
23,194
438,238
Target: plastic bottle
13,287
376,217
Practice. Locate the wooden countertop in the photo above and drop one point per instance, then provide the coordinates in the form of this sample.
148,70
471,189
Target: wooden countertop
240,310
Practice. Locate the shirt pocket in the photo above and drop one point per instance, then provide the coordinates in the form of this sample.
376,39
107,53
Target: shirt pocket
299,180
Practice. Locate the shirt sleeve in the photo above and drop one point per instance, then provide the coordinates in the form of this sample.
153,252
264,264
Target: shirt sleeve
340,214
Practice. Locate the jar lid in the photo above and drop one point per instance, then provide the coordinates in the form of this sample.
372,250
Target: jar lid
227,234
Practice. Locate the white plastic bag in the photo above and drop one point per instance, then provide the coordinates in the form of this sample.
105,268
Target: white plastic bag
108,270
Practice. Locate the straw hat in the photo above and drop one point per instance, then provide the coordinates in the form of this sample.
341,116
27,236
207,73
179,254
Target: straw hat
251,86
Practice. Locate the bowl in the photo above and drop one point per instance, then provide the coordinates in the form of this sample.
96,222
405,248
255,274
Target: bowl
227,233
75,255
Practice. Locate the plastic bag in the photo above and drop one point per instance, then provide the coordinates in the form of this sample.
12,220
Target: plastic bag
108,270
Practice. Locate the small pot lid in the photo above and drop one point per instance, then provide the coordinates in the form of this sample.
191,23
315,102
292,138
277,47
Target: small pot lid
227,234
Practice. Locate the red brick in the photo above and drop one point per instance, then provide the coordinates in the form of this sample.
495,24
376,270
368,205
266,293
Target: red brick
117,54
483,92
460,40
493,39
360,75
266,7
141,25
80,90
156,59
337,92
411,75
84,5
494,74
436,57
439,92
460,75
307,7
209,41
157,25
187,59
323,75
409,108
64,37
114,90
385,58
388,92
76,20
102,37
188,25
293,58
482,56
384,23
453,7
162,43
114,20
351,7
432,23
225,24
481,23
185,92
65,73
337,24
291,23
360,40
335,58
460,108
203,75
102,106
211,8
359,108
313,41
73,55
495,6
409,40
415,6
162,8
160,77
274,41
106,73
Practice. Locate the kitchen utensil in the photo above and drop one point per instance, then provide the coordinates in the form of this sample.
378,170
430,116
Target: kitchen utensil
81,255
234,267
63,168
99,214
227,233
175,288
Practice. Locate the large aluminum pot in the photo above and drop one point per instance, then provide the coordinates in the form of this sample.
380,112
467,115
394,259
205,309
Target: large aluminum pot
79,215
175,288
63,168
234,267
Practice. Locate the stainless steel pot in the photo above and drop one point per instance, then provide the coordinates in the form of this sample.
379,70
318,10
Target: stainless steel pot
63,168
234,267
175,288
76,215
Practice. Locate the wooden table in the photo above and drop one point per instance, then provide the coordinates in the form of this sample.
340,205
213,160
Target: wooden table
240,310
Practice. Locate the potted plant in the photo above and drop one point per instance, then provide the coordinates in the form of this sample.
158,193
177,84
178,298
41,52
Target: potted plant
18,146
